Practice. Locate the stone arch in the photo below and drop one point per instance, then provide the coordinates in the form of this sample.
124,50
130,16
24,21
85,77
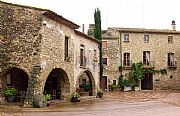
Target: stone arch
14,65
17,78
57,84
91,81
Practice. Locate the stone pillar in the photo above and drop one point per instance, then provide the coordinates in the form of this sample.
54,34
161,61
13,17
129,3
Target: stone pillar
65,91
33,86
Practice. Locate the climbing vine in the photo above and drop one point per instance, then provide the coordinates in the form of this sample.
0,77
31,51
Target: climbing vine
138,72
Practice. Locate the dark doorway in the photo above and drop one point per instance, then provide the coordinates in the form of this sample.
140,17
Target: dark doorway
103,83
85,84
147,82
57,84
18,79
51,87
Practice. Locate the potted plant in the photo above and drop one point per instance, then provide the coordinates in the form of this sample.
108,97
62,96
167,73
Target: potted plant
100,93
75,97
48,98
127,84
11,94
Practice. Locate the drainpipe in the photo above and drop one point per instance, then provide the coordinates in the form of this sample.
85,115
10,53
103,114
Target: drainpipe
120,48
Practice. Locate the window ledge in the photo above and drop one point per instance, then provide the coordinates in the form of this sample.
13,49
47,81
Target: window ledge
126,41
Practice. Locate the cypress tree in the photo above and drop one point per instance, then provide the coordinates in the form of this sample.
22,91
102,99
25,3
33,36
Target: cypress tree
97,35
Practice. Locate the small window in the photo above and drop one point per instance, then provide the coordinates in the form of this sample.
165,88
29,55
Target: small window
83,81
146,38
114,82
126,37
82,57
8,80
95,55
104,61
104,44
170,39
66,52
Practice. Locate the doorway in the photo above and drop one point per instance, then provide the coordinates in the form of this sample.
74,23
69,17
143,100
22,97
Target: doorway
147,82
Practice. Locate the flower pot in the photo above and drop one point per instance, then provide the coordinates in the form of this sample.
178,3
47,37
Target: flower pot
127,88
75,99
100,95
136,88
11,99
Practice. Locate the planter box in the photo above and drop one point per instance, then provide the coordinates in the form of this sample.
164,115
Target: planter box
137,88
127,88
100,95
11,99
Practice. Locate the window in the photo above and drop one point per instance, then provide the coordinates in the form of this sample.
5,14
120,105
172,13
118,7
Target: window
146,57
126,61
114,82
126,37
95,56
104,44
66,47
146,38
82,58
170,39
104,61
83,81
8,80
171,61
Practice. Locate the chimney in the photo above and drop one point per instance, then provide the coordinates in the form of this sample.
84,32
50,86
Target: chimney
173,25
83,28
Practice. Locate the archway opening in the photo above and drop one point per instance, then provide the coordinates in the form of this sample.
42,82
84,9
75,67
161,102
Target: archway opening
17,79
57,84
85,84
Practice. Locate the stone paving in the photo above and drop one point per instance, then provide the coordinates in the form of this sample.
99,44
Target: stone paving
149,103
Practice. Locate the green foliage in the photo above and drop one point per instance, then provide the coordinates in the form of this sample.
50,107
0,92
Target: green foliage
10,91
97,35
86,87
115,87
138,72
120,80
99,91
127,82
48,97
75,95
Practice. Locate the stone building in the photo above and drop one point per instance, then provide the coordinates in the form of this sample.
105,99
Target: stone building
42,52
155,48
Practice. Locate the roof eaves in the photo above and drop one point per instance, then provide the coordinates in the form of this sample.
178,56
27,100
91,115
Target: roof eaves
86,36
52,15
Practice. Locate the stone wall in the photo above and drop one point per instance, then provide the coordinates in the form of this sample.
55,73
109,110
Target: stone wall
113,60
36,44
19,38
92,60
159,48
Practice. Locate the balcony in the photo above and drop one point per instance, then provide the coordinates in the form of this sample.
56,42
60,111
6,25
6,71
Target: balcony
127,64
172,64
149,64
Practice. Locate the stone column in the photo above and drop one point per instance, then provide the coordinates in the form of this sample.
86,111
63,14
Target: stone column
33,86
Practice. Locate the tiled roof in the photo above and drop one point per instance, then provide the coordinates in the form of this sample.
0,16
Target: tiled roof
86,36
144,30
59,18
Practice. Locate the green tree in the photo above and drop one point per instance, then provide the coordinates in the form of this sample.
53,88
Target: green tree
97,35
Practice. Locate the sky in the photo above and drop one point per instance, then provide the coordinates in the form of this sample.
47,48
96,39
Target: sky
152,14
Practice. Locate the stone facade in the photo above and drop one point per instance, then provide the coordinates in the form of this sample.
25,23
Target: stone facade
158,46
33,40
